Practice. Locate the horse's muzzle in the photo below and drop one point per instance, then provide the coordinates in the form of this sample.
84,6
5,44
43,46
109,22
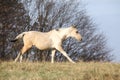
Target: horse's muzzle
80,40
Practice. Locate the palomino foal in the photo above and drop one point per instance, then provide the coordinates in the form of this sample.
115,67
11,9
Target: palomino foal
47,40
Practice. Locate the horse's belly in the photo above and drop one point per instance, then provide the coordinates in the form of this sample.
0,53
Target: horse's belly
43,45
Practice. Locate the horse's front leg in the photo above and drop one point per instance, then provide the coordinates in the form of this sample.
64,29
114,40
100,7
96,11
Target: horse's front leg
52,55
59,48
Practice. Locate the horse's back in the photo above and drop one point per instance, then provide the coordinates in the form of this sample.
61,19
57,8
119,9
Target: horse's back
39,39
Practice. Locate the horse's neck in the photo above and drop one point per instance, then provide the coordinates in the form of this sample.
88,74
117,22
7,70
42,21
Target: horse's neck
64,33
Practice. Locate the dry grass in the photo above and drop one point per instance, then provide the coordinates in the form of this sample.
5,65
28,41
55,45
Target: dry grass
59,71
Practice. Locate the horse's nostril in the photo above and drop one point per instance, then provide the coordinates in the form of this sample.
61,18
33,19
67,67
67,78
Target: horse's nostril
81,39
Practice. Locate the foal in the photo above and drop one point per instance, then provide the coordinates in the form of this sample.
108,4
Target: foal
47,40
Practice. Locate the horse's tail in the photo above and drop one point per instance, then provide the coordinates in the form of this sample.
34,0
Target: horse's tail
18,37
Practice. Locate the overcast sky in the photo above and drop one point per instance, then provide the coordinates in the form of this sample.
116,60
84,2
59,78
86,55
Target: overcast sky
106,14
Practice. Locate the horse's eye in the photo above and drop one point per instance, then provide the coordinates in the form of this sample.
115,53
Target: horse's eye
76,31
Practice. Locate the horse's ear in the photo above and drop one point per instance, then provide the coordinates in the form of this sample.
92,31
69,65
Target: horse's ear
57,29
74,26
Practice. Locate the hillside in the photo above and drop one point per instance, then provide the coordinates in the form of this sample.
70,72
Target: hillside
59,71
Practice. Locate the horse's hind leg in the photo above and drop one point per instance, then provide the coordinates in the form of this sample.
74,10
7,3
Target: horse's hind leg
23,50
16,59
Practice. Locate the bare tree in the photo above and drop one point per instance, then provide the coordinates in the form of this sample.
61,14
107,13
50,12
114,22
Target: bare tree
12,20
44,15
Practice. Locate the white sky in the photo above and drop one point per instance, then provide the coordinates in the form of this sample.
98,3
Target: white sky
106,14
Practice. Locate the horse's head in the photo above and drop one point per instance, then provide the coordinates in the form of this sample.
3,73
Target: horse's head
74,33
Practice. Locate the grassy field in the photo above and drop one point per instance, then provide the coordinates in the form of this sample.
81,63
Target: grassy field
59,71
